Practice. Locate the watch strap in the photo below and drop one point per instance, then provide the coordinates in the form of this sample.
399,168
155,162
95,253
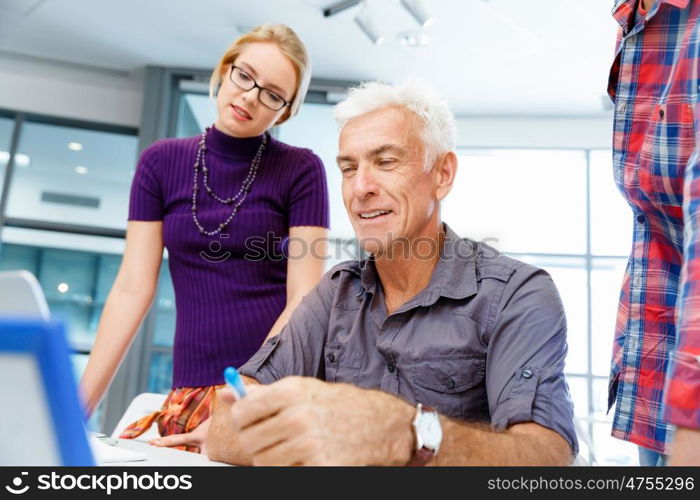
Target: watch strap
423,455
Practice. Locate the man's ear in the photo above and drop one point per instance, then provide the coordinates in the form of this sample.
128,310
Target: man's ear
445,170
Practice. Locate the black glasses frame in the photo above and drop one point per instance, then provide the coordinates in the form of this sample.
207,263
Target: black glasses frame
255,85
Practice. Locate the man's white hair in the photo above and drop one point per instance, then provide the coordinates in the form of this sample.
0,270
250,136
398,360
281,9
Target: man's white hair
416,96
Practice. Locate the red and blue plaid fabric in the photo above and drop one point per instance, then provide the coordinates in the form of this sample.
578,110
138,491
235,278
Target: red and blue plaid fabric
654,84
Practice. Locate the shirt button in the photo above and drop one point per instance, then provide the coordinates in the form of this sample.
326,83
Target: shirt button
331,357
641,219
621,107
390,367
662,113
637,281
449,382
527,373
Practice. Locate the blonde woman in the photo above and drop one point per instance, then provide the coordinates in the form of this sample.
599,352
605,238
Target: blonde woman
238,212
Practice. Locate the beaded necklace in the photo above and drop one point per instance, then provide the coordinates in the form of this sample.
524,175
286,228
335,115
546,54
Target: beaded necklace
236,200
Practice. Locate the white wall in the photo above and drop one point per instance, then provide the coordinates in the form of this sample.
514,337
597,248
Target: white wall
535,132
114,97
70,90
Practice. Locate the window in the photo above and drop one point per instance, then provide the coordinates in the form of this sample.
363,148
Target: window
68,174
164,306
525,200
75,283
7,125
324,142
160,372
72,175
558,210
611,217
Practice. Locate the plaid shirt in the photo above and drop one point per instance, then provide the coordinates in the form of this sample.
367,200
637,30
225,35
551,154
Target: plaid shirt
654,85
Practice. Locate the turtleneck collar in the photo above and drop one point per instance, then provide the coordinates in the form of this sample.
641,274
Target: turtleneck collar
234,147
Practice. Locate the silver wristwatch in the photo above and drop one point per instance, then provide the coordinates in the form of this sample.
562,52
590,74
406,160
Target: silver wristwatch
428,433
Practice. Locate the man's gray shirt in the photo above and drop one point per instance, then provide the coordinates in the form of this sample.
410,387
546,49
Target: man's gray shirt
484,341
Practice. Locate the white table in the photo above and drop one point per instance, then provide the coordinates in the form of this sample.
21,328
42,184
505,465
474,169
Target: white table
157,457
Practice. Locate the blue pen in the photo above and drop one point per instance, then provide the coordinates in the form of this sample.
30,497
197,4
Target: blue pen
235,382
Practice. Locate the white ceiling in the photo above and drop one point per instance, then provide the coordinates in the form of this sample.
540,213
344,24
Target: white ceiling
507,57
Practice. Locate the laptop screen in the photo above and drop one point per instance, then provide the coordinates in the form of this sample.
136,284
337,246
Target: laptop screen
41,421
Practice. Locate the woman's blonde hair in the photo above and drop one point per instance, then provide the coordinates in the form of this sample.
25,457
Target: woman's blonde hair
291,46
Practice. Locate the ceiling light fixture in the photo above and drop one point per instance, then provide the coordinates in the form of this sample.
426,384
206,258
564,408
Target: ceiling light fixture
418,11
339,7
364,21
21,160
81,170
75,146
413,38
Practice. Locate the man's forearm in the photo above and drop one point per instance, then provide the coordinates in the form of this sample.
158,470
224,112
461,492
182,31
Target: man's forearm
522,444
465,443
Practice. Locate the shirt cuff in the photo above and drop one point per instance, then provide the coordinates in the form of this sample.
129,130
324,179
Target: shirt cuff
259,366
539,396
682,394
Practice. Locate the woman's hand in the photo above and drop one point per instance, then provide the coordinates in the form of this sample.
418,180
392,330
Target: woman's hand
197,437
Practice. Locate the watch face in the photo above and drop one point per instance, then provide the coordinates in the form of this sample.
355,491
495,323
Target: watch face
430,430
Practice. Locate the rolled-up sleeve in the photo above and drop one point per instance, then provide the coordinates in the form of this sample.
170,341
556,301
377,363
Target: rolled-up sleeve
298,349
525,358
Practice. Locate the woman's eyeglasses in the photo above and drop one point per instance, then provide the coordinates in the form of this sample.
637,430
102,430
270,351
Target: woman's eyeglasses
246,82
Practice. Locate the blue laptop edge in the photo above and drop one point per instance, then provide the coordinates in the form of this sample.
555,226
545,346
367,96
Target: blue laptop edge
46,341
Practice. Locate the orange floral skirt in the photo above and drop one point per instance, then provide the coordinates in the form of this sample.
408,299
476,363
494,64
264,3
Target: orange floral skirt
182,412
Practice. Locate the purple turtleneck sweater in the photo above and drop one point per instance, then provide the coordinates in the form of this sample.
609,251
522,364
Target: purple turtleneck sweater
229,288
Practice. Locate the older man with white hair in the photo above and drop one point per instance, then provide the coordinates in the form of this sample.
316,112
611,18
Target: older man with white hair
434,350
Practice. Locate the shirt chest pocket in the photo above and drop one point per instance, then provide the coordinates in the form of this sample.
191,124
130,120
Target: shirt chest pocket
668,143
453,384
342,363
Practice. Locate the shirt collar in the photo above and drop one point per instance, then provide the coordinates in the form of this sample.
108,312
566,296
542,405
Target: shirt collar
623,10
368,274
456,269
454,275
